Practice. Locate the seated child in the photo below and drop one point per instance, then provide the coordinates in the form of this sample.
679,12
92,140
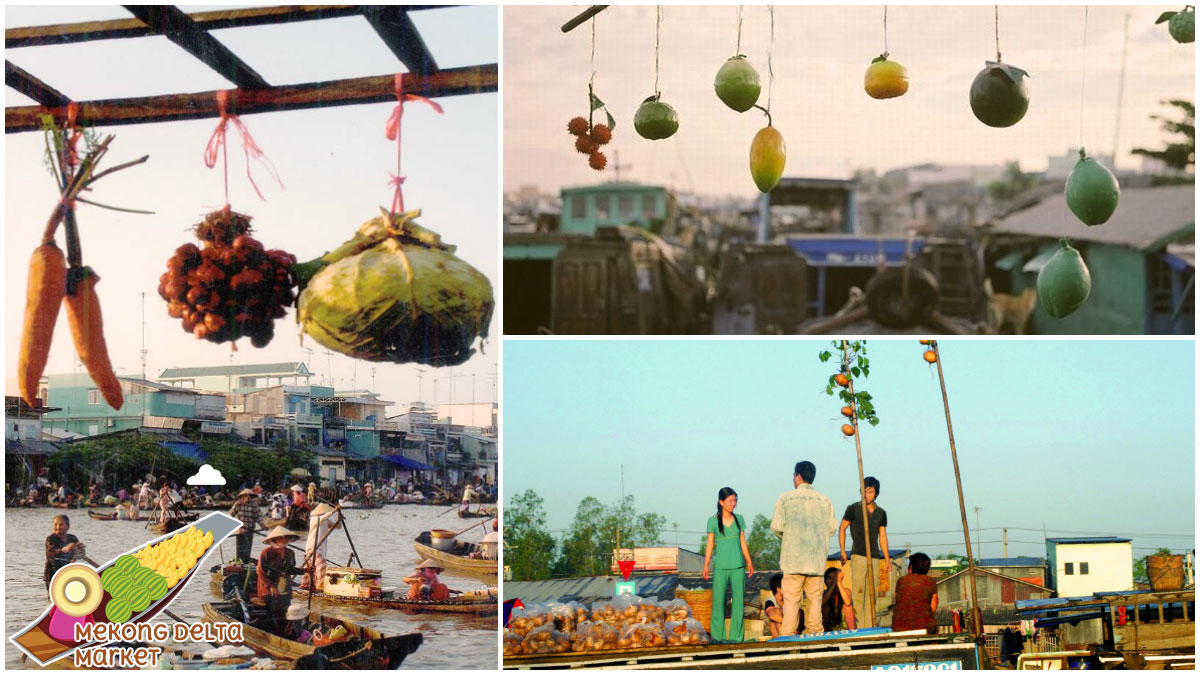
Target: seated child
423,584
916,597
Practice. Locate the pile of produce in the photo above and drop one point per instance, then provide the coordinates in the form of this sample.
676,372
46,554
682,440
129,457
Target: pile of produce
545,640
588,139
686,632
593,637
625,622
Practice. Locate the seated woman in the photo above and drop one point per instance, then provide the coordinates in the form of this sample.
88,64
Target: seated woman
837,609
916,598
424,585
294,627
773,607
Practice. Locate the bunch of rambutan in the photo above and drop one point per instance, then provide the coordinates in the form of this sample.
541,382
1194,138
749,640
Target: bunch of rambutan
588,139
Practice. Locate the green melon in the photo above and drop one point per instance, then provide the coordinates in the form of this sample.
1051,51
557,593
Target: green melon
118,610
1063,284
110,576
158,587
737,84
1092,191
1183,27
140,599
655,120
123,587
126,563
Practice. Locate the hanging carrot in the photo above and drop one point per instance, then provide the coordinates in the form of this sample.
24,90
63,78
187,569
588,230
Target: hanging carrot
43,295
87,328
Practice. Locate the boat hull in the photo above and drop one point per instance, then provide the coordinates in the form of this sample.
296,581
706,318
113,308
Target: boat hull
475,567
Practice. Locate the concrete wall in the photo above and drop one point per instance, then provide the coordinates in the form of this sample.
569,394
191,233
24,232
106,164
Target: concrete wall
1110,568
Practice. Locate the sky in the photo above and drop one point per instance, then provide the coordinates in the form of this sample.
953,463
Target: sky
334,164
820,54
1081,437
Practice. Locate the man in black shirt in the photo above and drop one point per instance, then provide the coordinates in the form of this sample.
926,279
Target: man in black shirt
860,582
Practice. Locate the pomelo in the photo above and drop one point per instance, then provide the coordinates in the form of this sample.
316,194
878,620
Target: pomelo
1063,284
655,120
1092,191
737,84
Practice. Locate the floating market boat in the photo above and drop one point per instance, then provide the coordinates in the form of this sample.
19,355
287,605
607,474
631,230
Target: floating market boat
91,601
172,523
112,516
362,649
461,557
482,512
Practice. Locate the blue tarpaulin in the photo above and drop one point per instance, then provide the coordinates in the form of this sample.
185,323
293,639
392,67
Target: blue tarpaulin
189,450
851,251
406,463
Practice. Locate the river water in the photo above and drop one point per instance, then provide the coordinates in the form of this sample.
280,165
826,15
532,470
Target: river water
383,538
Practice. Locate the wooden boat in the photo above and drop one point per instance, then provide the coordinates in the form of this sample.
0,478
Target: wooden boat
112,516
35,639
482,512
481,602
364,649
458,558
172,523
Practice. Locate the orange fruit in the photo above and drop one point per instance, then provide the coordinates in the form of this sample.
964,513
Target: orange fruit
768,156
848,429
925,342
847,411
841,380
931,356
885,79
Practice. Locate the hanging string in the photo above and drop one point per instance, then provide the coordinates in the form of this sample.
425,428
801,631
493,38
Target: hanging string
1082,76
217,142
392,131
593,61
997,7
770,53
885,47
738,50
658,13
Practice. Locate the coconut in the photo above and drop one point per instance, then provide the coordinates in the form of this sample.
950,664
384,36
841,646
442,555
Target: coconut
395,293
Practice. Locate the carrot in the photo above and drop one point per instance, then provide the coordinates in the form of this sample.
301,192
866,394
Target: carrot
43,294
87,328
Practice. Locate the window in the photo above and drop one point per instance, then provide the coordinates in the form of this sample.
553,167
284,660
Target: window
1083,568
93,396
602,206
649,206
578,207
625,206
1069,568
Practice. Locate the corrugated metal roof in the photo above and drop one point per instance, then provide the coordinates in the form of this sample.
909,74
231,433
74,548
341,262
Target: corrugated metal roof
1025,561
288,368
980,571
157,385
1090,540
587,590
1146,218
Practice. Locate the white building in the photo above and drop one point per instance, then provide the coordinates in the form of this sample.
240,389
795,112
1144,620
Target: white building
1081,566
483,415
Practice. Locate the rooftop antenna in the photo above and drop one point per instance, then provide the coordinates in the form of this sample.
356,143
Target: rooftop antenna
328,367
309,361
143,350
1120,92
372,379
617,166
977,535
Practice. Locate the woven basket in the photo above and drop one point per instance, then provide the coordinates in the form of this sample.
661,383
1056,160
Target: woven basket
701,603
1165,572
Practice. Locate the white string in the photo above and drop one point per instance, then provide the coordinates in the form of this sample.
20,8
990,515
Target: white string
739,37
1083,76
997,7
593,77
770,52
658,12
885,46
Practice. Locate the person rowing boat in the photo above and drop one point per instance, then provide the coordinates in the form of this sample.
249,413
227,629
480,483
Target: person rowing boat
276,565
323,520
62,548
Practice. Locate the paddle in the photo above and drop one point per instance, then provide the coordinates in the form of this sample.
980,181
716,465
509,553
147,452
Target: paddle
473,526
446,511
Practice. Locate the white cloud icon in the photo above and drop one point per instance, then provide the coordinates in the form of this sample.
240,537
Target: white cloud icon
206,476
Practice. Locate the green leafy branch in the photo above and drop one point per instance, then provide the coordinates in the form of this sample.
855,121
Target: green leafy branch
855,365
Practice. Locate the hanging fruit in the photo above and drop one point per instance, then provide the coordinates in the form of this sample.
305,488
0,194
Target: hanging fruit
1181,25
841,380
925,342
1063,284
231,288
931,356
848,429
847,411
999,96
737,84
1092,191
588,139
885,79
655,120
768,156
395,292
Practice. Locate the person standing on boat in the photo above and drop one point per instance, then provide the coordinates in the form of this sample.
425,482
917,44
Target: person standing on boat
731,564
246,510
860,580
276,565
61,548
312,493
323,520
804,519
468,495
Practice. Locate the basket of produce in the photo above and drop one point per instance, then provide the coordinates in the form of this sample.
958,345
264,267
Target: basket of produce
700,600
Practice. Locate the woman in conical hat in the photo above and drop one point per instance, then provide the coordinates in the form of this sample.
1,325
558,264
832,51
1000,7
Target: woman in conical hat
321,521
423,584
276,565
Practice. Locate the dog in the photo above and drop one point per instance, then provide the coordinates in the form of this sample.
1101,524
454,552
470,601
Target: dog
1013,309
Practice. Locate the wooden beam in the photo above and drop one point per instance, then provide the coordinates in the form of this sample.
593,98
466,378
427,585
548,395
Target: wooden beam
172,23
400,34
32,87
172,107
583,16
66,33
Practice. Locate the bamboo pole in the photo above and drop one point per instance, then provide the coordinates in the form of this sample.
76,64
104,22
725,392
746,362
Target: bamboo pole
977,617
869,591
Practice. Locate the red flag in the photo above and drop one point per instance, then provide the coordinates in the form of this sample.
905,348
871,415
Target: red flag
626,567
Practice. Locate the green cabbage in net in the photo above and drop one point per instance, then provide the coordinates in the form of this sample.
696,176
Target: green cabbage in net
395,293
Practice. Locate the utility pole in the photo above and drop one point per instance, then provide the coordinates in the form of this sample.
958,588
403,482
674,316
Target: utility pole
1006,542
143,352
977,534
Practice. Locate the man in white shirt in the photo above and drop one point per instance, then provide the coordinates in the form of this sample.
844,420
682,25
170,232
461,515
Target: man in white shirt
805,520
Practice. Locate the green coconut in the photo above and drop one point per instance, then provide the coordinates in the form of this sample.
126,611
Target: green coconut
1092,191
655,120
737,84
1063,284
395,293
1182,25
999,96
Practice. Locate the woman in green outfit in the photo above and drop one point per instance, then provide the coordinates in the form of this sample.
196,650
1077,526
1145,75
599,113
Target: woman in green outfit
731,564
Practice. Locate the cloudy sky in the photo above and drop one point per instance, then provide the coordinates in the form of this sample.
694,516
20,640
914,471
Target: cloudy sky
820,54
334,163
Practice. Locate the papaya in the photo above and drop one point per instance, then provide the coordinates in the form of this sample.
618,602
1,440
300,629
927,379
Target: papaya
1092,191
1063,284
885,79
655,120
737,84
999,96
768,155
